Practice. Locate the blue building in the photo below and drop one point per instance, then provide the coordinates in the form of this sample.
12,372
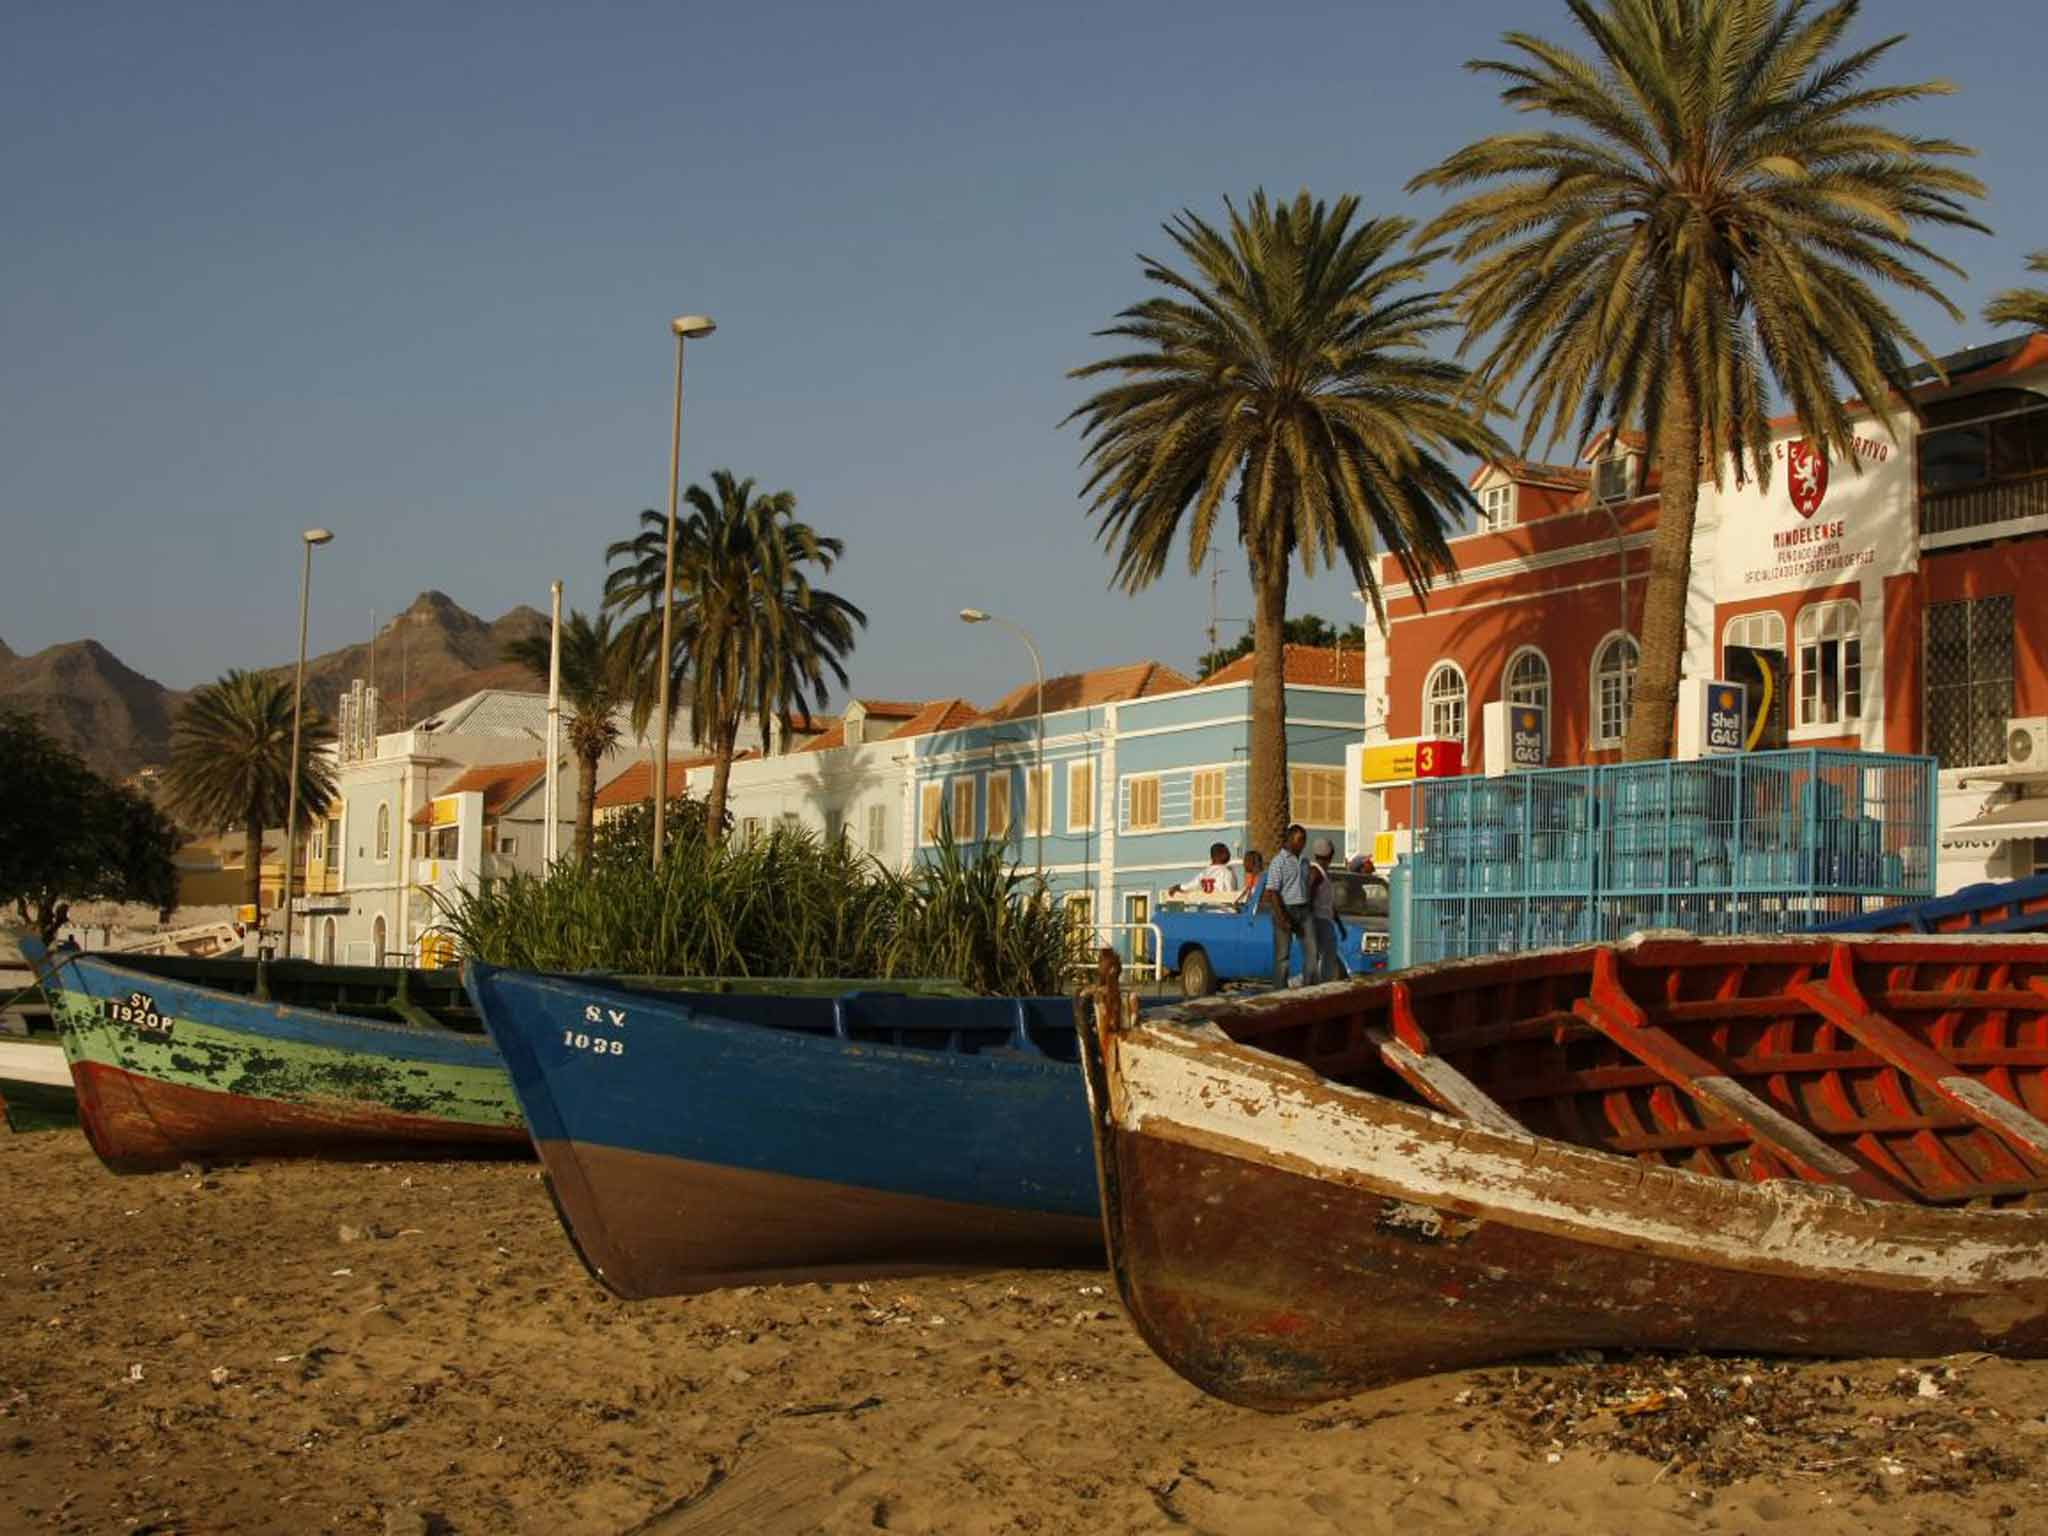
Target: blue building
1143,770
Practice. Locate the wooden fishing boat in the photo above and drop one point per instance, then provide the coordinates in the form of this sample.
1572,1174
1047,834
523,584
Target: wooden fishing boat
697,1142
175,1058
35,1084
178,1059
1813,1146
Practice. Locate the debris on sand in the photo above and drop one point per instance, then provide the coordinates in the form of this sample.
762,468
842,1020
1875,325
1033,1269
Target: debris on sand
1718,1420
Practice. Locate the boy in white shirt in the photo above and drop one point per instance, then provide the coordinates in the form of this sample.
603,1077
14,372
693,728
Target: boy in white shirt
1215,882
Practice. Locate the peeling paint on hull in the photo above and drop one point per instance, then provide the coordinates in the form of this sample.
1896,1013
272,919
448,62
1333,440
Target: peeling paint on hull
1280,1239
213,1074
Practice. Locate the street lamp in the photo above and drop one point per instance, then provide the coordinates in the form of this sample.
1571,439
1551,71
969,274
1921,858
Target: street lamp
685,327
311,537
976,616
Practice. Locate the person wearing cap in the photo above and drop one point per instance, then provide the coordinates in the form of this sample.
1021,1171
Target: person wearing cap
1329,965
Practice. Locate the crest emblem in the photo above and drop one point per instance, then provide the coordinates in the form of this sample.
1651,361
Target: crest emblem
1808,469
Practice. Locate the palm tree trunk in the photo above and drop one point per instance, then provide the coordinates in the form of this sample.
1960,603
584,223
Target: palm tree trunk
1663,639
721,775
1266,813
252,865
586,806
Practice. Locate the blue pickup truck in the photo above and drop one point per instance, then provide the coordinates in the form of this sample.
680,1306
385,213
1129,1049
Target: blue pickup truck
1213,945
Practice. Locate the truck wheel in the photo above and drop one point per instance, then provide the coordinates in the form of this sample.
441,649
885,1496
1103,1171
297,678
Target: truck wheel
1197,976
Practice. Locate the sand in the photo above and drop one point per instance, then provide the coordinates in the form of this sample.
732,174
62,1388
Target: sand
415,1348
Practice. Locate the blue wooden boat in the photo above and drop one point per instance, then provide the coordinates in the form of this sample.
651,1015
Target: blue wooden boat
699,1142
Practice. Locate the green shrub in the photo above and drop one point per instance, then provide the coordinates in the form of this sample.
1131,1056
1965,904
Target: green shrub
789,904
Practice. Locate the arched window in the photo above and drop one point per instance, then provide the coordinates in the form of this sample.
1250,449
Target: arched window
377,940
383,831
1528,682
1614,689
1443,703
1763,630
327,942
1830,664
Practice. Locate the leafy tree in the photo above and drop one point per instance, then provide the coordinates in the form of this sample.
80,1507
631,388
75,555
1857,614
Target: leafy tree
1306,629
2022,306
67,835
626,838
231,751
1709,209
1286,366
751,635
596,679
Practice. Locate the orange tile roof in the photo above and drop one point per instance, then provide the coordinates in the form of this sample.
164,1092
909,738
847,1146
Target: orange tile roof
499,783
1083,690
939,715
915,720
632,783
1563,477
1307,666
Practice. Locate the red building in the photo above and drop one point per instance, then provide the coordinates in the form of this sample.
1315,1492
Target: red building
1898,597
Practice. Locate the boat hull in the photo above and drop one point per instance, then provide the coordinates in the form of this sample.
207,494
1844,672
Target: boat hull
716,1148
1282,1241
168,1071
35,1086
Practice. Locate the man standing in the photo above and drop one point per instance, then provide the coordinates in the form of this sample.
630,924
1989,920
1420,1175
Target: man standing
1323,903
1287,899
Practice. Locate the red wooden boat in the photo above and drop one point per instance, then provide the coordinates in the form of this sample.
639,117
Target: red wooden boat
1816,1146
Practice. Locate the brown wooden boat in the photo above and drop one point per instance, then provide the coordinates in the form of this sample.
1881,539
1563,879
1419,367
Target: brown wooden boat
1810,1146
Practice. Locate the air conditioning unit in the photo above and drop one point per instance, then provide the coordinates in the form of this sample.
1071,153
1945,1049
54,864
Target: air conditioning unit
2026,743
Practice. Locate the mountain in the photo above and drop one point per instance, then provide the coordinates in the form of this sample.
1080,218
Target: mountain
114,717
432,654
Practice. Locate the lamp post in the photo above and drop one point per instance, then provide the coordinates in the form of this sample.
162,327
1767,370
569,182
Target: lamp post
311,538
976,616
684,327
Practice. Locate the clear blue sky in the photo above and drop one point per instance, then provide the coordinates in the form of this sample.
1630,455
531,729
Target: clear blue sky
406,271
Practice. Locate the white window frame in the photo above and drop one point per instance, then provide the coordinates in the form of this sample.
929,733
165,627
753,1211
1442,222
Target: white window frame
1138,912
378,934
383,831
1509,687
1037,801
1739,626
752,830
995,779
1079,907
1131,784
1461,703
508,847
931,810
1220,777
1297,799
1838,621
878,828
970,832
329,931
1497,507
1596,724
1081,807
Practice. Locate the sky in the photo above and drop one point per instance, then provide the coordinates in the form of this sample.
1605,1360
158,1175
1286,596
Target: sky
406,272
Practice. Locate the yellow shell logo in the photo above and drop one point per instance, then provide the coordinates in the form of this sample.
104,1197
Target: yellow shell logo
1727,698
1529,720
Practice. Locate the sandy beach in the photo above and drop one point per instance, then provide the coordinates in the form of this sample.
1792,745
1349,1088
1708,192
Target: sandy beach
414,1348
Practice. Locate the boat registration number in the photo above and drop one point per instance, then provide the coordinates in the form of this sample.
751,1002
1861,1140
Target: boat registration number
597,1045
138,1009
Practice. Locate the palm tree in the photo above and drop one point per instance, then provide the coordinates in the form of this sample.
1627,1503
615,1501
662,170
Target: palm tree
1289,364
231,750
1710,210
2022,306
751,635
597,679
